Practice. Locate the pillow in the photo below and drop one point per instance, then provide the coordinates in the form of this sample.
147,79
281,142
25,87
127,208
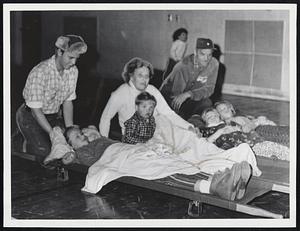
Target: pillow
59,145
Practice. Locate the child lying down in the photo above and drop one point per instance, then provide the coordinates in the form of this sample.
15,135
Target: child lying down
88,145
228,136
229,183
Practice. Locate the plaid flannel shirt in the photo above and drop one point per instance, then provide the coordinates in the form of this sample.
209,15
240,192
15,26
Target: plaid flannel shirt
45,88
138,129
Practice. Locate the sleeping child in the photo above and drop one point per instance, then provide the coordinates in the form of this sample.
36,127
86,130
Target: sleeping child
228,114
87,144
141,126
223,135
264,127
227,136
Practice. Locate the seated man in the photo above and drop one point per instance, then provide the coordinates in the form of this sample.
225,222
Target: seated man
229,184
188,87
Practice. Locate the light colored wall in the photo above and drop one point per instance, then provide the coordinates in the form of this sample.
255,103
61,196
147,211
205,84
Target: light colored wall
147,34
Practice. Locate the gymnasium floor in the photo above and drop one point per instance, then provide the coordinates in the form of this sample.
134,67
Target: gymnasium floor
36,193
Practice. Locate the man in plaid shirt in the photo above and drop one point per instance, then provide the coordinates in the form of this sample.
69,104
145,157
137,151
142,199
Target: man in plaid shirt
50,85
141,126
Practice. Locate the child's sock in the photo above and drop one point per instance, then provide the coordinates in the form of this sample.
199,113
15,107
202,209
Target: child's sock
202,186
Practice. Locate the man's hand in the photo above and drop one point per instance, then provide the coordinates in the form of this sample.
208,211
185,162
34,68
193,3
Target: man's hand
179,99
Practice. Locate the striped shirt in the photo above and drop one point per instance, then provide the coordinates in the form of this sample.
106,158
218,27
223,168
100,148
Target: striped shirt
45,88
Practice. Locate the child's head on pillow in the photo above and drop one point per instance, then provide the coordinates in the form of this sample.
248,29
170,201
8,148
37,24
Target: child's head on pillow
225,109
75,137
211,117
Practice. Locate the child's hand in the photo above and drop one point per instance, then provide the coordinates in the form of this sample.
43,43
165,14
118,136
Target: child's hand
91,133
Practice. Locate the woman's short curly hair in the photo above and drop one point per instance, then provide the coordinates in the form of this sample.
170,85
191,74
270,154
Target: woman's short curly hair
132,65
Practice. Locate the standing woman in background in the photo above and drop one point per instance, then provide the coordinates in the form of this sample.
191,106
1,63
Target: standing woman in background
177,51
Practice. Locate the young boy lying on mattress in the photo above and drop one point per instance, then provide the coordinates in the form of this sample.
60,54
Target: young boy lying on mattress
88,146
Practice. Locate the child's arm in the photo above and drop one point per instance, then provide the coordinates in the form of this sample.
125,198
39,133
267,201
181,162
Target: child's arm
222,131
246,124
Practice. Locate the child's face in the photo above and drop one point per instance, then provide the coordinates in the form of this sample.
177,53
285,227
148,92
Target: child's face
145,108
212,117
183,37
225,111
77,139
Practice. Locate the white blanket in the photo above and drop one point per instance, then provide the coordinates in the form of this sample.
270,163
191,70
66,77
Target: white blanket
171,150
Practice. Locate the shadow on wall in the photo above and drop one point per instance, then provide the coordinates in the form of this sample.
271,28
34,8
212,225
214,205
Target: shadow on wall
221,75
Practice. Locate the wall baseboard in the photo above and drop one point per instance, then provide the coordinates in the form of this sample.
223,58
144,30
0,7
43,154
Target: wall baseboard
255,92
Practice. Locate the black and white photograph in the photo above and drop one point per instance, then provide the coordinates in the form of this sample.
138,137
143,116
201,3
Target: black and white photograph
149,115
